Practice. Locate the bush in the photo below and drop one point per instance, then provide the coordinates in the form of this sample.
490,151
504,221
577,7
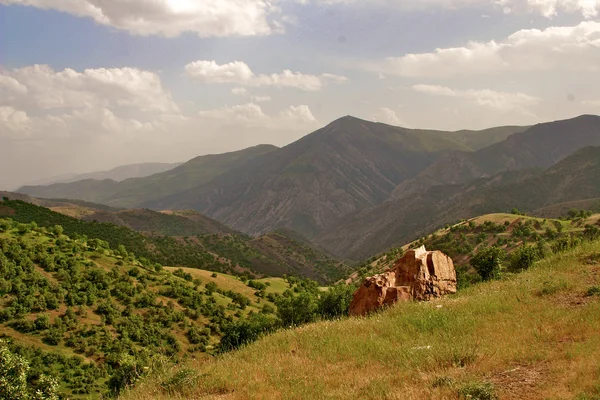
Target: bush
523,258
488,262
478,391
335,302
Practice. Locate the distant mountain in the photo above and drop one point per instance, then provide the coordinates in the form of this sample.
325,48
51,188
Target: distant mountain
117,174
133,192
540,146
367,232
349,165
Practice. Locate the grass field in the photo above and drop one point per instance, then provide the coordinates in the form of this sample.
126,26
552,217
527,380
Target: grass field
533,335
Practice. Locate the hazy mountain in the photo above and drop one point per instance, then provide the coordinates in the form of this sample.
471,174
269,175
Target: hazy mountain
346,166
117,174
362,234
135,191
539,146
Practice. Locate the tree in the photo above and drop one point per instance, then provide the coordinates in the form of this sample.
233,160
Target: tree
524,258
488,262
14,371
335,302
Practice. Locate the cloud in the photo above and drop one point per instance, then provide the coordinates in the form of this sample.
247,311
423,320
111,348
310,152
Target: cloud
252,115
260,99
572,48
170,18
388,116
500,101
547,8
239,91
239,73
41,87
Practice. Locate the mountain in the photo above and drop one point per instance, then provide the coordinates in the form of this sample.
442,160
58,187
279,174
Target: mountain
399,220
346,166
135,191
540,146
117,174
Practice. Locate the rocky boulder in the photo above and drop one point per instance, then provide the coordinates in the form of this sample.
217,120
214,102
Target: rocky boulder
419,275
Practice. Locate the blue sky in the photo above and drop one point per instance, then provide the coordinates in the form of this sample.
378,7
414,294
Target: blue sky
89,84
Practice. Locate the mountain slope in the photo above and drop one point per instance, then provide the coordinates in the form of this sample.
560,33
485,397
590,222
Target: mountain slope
540,146
133,192
88,313
362,234
346,166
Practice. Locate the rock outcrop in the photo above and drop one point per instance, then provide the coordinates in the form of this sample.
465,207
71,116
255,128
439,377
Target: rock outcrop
419,275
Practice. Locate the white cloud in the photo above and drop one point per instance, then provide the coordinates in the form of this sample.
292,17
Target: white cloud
239,91
591,103
260,99
548,8
39,86
388,116
487,98
252,115
171,18
556,48
239,73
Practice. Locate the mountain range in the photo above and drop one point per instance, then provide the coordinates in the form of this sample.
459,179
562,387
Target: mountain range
356,187
117,174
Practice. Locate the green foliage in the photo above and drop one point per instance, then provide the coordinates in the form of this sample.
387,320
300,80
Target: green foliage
335,302
478,391
488,262
524,258
240,333
14,379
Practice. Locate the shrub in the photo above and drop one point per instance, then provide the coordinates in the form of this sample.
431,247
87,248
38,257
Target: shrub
523,258
488,262
335,302
478,391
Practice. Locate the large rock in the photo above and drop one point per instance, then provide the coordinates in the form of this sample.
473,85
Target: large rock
419,275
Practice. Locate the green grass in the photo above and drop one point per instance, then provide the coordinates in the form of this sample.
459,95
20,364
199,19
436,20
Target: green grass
500,338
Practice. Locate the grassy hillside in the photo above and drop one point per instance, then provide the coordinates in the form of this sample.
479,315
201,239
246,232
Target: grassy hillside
186,239
508,232
156,249
528,336
94,316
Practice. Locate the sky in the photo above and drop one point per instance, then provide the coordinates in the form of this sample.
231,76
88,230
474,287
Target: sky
88,85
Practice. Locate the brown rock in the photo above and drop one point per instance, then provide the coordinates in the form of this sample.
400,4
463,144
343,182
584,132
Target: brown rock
419,275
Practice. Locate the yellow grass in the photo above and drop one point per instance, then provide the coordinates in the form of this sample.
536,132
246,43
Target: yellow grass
534,335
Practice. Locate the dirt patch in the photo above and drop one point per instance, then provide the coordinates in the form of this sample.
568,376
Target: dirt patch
572,300
520,382
6,211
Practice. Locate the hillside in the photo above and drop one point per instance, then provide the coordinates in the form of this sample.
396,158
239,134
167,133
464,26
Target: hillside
346,166
133,192
531,335
89,314
360,235
185,239
508,232
540,146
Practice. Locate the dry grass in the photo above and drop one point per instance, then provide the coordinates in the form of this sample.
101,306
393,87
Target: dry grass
527,342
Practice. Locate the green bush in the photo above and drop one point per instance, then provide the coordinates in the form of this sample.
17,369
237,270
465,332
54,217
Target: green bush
488,262
478,391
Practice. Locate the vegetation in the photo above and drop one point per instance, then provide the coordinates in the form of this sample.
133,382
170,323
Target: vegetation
96,318
475,345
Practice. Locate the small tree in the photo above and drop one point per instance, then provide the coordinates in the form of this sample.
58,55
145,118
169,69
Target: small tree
14,370
488,262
